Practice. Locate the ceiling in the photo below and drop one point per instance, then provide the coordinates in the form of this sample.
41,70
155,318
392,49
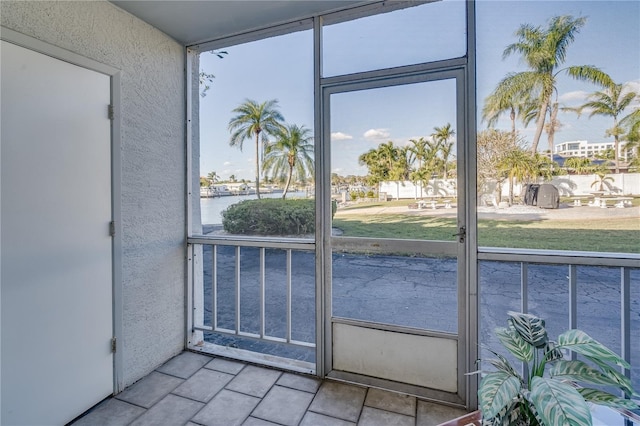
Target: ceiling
191,22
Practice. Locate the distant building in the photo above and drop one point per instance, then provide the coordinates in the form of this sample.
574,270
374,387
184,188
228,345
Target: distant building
590,150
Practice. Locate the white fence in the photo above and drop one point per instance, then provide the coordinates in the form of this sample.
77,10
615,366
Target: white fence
568,185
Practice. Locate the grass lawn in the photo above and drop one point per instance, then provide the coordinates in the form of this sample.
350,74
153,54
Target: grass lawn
619,235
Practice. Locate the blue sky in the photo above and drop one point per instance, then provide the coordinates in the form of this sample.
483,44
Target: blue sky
281,68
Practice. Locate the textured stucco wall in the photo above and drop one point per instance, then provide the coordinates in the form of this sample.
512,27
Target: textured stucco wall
153,162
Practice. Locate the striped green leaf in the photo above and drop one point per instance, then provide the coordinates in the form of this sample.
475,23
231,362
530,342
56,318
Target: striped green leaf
622,381
558,403
580,342
579,371
514,343
501,363
497,390
530,327
604,398
551,352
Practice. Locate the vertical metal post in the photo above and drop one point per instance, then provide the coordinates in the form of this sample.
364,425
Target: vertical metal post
262,291
524,287
625,317
289,296
237,290
573,301
214,287
472,302
524,305
320,153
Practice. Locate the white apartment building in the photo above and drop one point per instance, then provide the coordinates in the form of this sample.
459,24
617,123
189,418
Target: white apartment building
589,150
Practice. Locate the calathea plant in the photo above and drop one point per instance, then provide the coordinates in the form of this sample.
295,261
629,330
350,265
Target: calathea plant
553,390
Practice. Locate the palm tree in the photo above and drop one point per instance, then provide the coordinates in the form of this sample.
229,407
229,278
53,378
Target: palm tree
253,120
213,177
292,152
544,50
580,165
601,178
518,165
442,136
611,102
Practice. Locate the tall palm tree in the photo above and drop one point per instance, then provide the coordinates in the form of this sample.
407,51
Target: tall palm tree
257,120
417,151
212,177
292,152
611,102
442,136
544,50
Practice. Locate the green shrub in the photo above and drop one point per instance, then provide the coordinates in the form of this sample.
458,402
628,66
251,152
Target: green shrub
271,216
353,195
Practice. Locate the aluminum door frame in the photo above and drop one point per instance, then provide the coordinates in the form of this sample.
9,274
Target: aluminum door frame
435,71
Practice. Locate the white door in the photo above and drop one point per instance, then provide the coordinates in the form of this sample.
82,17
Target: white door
56,250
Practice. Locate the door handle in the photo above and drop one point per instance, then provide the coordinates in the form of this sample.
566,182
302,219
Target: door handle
461,234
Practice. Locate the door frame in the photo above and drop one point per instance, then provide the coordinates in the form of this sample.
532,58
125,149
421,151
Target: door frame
56,52
437,71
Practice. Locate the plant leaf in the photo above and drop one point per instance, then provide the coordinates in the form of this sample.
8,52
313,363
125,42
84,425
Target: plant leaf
622,381
604,398
580,342
580,372
551,352
514,343
530,327
497,390
558,403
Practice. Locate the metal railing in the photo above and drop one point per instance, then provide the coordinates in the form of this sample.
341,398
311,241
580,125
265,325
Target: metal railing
624,263
262,245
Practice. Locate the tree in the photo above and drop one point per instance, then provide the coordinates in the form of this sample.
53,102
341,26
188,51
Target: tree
579,165
441,136
493,147
232,178
601,177
207,78
544,50
255,120
292,152
611,102
213,177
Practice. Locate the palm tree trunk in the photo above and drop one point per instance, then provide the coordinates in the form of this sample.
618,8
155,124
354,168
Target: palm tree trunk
286,187
616,145
258,165
539,125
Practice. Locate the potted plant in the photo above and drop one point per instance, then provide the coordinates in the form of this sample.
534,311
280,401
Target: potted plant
553,390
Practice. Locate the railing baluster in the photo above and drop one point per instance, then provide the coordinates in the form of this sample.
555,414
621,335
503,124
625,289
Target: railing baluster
262,291
524,304
573,301
214,287
237,285
524,287
289,296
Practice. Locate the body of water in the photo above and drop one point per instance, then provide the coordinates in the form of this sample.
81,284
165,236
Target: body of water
211,208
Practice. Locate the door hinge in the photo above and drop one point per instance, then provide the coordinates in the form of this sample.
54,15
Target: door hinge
112,228
113,345
110,112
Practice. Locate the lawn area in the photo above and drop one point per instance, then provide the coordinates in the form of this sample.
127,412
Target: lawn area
619,235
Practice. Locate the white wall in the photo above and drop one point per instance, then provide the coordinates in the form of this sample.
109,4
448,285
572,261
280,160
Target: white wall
153,162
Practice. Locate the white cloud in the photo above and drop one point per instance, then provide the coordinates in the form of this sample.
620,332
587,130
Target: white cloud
377,134
227,163
575,96
339,136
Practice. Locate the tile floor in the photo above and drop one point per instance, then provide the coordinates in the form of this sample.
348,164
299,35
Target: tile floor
196,389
